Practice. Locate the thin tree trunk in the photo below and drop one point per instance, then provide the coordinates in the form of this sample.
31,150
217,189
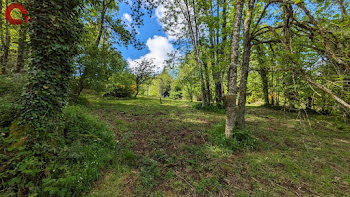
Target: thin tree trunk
265,85
214,55
6,51
231,96
194,39
263,74
102,19
1,31
21,48
245,66
137,88
207,82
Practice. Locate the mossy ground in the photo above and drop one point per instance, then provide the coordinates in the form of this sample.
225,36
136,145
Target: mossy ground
164,150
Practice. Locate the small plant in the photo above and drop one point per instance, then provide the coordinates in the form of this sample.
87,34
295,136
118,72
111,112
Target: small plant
217,108
150,173
240,139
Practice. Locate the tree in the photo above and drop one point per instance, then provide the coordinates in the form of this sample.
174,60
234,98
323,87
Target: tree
247,46
231,97
144,71
109,31
51,69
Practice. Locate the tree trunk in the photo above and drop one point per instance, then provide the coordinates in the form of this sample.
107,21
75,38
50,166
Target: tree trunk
6,49
51,69
245,66
207,82
194,38
21,48
1,31
137,88
102,19
230,100
265,84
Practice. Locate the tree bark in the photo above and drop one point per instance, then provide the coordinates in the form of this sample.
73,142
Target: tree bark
265,85
207,82
245,66
21,48
102,19
1,32
230,100
6,51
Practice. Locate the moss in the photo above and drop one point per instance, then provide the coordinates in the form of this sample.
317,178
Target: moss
19,133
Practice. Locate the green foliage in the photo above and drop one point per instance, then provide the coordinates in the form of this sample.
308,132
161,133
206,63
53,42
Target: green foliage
10,94
11,86
122,91
67,169
211,184
217,108
149,173
240,139
9,111
96,65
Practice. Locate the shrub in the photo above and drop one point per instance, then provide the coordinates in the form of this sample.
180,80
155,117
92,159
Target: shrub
12,86
67,166
176,95
240,139
9,111
10,93
122,91
217,108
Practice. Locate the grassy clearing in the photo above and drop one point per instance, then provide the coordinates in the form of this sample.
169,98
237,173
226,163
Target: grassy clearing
167,150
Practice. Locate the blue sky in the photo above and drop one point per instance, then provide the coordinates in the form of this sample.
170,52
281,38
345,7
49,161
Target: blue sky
152,34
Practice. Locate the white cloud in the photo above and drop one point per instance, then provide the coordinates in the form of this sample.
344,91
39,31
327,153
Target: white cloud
127,17
177,26
159,48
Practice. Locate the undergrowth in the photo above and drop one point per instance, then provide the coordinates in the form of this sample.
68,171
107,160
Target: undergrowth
217,108
69,167
239,140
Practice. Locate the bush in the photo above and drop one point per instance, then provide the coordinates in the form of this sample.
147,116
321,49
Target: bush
10,94
122,91
176,95
12,86
217,108
9,111
240,139
66,166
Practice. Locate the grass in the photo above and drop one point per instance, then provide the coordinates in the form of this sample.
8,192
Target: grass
167,150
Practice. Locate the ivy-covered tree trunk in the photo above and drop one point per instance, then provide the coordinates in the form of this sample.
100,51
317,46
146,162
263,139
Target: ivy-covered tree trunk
54,34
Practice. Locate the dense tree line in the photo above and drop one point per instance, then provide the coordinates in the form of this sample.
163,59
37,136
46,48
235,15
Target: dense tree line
299,49
293,54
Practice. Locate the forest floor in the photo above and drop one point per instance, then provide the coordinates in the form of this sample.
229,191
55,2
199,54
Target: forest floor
163,150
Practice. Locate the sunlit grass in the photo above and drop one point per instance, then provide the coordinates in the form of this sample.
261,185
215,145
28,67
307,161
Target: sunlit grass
297,155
